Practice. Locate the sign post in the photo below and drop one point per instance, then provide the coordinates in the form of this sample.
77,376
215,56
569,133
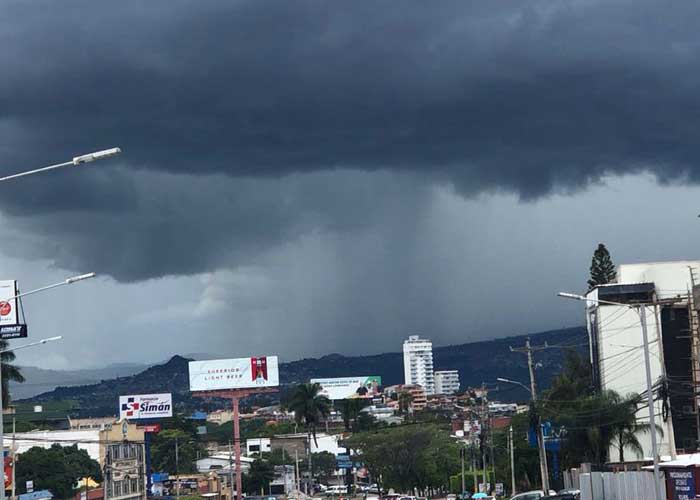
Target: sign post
234,379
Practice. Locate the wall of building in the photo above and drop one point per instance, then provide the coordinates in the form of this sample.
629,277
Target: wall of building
621,363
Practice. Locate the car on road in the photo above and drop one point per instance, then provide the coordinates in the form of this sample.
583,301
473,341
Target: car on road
571,491
336,489
532,495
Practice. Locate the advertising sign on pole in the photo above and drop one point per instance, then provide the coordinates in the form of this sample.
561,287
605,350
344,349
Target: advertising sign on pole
682,482
141,406
363,387
8,304
13,332
237,373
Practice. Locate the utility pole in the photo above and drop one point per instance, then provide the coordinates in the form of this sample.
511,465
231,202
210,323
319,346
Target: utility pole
230,467
14,458
177,468
483,433
528,349
512,461
462,452
296,465
669,417
650,402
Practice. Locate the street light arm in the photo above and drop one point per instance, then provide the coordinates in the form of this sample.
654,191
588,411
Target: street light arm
514,382
65,282
575,296
31,344
78,160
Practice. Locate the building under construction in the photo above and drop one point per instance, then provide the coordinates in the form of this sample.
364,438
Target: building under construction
617,347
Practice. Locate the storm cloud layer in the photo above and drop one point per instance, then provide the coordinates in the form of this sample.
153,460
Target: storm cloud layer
525,96
531,98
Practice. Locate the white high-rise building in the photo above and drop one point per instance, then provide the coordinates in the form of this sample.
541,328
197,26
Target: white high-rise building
446,382
418,363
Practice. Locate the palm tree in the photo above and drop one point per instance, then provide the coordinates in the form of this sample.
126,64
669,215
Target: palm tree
309,407
10,372
626,428
405,400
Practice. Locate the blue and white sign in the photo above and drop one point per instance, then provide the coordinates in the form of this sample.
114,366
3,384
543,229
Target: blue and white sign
682,484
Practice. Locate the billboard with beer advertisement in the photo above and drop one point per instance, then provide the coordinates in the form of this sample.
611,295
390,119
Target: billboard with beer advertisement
364,387
237,373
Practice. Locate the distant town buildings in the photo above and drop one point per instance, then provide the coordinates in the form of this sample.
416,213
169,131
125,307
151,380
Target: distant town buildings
418,363
446,381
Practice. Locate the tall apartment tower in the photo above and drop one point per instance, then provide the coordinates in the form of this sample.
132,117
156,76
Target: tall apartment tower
418,363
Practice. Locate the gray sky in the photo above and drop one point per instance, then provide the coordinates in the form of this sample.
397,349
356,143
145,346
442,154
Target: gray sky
302,178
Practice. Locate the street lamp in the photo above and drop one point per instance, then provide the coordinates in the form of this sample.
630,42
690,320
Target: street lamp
515,382
68,281
2,428
641,310
76,161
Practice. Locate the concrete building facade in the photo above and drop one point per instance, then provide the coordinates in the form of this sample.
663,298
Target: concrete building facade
418,363
617,349
446,381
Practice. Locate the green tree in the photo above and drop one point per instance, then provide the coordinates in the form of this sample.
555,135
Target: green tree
163,451
56,469
408,456
626,428
322,465
602,268
405,400
350,409
10,372
258,479
309,407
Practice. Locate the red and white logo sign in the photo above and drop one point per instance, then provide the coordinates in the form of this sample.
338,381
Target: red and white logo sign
258,369
5,308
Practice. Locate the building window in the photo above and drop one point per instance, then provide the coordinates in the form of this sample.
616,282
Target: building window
134,485
117,488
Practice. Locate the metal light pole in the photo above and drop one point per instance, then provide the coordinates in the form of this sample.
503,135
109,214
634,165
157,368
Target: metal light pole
650,402
65,282
512,461
544,472
641,310
462,452
78,160
2,430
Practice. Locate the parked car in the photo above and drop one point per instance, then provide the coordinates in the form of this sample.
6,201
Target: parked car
532,495
571,491
562,496
337,489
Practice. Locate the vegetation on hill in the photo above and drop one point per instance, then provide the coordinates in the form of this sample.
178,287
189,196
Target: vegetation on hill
476,362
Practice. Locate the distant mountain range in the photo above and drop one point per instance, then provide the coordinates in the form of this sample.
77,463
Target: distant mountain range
478,363
40,380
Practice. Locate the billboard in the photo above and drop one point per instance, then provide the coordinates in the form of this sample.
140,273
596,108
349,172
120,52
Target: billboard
349,387
8,304
140,406
237,373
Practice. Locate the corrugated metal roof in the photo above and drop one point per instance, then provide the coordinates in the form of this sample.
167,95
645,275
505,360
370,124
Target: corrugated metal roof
37,495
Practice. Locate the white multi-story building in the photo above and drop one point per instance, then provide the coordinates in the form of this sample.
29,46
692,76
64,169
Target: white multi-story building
617,347
418,363
446,382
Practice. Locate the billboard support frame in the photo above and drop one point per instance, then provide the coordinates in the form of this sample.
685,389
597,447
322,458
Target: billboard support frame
235,395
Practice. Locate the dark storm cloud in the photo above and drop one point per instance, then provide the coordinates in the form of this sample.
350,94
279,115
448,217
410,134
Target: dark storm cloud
528,97
524,96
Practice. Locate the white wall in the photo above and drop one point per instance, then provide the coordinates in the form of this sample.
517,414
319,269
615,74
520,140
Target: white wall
622,368
669,278
88,440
